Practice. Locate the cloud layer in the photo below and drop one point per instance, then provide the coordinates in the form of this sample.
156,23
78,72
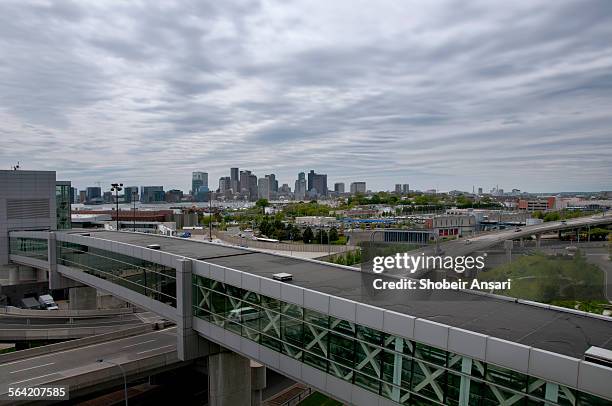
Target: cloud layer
436,94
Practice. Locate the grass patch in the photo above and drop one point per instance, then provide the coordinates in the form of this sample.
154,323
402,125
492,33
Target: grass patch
319,399
548,279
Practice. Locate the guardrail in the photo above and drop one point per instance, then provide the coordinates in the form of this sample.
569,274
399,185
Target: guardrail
284,246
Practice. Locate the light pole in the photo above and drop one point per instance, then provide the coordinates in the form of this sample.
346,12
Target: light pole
117,187
125,396
134,211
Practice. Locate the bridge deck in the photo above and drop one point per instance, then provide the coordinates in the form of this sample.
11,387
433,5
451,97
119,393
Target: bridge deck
547,329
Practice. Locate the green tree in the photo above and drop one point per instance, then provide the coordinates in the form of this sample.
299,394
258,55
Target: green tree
321,237
333,234
262,203
307,236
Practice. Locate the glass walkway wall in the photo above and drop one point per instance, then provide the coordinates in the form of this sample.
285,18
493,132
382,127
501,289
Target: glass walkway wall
399,369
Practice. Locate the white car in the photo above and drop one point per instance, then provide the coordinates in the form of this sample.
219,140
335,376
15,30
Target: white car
243,314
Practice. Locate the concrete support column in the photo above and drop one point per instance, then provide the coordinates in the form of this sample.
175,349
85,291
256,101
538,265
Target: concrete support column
538,239
189,345
229,380
83,298
42,275
54,276
258,382
14,275
522,242
508,244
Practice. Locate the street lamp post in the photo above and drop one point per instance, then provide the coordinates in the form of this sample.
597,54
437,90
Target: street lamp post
134,211
117,187
125,396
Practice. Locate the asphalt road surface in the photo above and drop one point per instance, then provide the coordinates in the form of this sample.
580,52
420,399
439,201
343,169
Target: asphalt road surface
45,368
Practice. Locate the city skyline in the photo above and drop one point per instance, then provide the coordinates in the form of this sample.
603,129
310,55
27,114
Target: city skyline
442,96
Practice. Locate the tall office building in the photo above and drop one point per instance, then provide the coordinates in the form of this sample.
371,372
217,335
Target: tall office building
273,183
248,185
224,184
93,193
235,180
152,194
339,187
300,187
398,188
130,194
82,196
198,179
74,194
358,187
263,188
317,183
405,188
479,190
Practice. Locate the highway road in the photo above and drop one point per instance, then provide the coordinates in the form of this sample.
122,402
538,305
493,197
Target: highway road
466,246
51,367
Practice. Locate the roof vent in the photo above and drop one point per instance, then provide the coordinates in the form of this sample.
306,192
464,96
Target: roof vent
598,355
282,276
154,246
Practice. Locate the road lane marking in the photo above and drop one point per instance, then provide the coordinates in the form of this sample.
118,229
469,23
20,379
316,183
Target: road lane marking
27,369
134,345
31,379
153,349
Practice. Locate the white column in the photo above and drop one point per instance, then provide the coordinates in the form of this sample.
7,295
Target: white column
189,345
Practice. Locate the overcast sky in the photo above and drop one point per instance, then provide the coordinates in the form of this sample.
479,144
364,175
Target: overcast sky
440,94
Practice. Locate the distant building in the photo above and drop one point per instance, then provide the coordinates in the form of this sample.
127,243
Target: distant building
339,187
358,187
74,195
225,183
273,183
202,194
198,179
130,194
235,180
174,196
405,188
398,188
94,194
284,190
152,194
300,187
82,196
540,204
479,190
451,225
248,185
317,184
263,188
107,197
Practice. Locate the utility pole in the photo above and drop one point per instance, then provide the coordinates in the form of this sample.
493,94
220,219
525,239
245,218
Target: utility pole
210,218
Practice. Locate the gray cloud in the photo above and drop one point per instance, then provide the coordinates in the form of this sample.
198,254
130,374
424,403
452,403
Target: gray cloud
448,94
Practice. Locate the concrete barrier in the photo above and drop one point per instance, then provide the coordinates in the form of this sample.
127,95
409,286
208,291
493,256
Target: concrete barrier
67,345
15,311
